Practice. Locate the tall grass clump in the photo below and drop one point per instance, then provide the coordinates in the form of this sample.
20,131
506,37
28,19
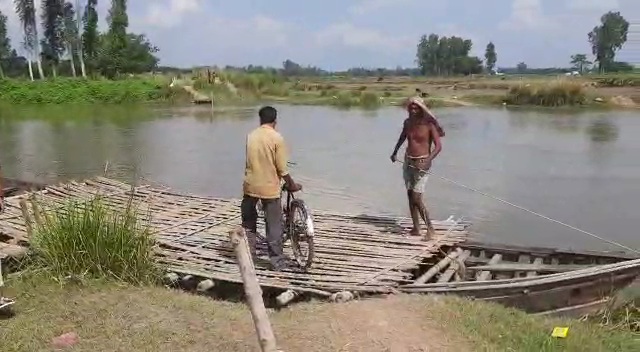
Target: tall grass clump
89,239
549,94
625,317
344,100
369,100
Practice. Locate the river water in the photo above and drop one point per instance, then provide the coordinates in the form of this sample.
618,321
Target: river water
582,168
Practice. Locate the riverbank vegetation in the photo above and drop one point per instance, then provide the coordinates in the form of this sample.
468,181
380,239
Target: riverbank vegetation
64,90
550,94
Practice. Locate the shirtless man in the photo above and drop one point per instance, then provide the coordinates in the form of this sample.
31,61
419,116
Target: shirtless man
421,130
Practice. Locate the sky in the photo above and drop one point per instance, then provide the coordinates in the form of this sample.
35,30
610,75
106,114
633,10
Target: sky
339,34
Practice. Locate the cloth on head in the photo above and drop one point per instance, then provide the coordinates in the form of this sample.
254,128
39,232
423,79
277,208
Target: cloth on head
428,114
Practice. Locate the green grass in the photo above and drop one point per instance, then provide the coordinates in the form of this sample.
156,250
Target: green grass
86,238
74,90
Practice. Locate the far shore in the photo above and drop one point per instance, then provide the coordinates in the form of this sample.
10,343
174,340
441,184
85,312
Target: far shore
238,89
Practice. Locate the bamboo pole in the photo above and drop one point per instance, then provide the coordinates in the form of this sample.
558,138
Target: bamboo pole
436,268
27,218
454,267
266,338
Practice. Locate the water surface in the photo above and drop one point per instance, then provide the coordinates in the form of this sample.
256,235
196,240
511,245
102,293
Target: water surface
582,168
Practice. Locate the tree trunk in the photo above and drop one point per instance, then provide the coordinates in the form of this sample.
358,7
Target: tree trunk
79,10
30,70
54,70
1,71
72,61
40,70
82,66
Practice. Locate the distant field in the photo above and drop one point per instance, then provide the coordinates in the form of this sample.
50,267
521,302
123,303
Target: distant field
475,87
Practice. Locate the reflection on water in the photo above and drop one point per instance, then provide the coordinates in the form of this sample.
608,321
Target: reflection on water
580,168
602,130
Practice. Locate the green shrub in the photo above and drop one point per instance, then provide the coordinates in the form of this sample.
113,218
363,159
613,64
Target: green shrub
86,238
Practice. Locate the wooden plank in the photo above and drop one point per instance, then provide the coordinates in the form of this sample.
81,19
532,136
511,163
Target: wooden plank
537,261
485,275
507,267
545,251
523,259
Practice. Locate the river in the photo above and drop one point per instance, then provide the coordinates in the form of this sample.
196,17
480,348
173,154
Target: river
582,168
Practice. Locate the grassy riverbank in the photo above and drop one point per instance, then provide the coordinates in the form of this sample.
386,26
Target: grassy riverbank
236,88
80,91
111,316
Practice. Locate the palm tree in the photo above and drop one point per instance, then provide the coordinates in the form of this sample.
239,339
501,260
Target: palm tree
26,11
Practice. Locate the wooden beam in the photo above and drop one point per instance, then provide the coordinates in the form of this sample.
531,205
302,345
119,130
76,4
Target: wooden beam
266,338
530,267
537,261
453,268
486,275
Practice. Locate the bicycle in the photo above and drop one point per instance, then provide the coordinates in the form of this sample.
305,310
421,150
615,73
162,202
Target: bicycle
299,231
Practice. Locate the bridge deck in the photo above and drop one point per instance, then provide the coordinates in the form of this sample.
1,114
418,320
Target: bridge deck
353,252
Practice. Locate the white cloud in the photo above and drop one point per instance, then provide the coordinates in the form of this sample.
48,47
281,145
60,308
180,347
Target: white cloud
170,13
528,15
347,34
256,32
366,6
592,5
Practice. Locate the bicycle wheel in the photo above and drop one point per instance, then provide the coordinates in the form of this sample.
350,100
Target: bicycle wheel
300,231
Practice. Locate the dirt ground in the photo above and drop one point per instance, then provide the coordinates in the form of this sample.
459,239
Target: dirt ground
112,317
149,319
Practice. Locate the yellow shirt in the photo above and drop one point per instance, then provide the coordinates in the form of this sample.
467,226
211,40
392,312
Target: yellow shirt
266,163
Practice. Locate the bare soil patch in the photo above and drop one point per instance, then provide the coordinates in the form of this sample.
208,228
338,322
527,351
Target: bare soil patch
157,319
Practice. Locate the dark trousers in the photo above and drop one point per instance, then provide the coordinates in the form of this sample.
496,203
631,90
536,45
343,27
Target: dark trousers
273,221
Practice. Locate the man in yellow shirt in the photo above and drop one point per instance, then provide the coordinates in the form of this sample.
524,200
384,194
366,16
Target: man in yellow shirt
266,166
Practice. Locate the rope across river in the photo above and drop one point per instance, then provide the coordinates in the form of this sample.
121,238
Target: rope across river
530,211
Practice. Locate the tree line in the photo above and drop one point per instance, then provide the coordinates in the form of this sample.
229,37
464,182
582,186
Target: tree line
63,38
445,56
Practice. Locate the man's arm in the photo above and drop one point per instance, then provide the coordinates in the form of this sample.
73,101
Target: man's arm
436,141
282,157
401,139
